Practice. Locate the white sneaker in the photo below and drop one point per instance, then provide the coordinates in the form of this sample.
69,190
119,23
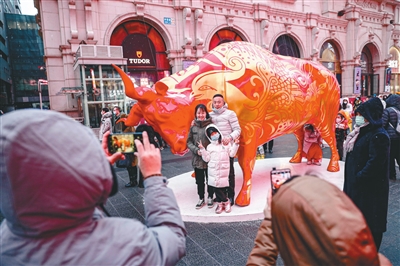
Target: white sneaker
210,203
200,204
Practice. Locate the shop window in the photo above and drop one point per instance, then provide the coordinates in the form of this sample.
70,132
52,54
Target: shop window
330,59
285,45
223,36
393,72
366,70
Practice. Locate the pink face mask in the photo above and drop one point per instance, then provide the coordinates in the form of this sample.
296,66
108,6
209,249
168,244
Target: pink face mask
338,120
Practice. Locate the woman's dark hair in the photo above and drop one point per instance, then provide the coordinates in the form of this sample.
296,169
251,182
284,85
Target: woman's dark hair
202,107
105,109
153,135
309,127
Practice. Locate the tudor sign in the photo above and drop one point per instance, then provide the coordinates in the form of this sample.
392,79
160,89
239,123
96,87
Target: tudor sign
139,60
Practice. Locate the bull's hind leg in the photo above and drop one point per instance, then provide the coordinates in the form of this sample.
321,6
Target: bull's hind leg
246,159
299,134
328,134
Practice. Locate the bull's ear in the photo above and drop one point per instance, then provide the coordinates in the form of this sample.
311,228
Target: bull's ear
161,87
129,86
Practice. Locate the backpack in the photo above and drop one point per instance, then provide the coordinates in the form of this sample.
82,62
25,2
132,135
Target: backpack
397,128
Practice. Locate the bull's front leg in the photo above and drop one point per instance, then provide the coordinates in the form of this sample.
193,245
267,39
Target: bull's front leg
246,159
299,134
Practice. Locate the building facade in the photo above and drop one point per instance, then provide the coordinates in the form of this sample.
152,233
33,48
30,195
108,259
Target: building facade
6,92
28,72
358,40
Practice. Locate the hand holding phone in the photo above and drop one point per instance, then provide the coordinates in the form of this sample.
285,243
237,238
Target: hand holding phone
123,142
278,177
149,157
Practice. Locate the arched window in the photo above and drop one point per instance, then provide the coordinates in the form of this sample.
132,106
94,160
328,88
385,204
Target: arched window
223,36
369,85
392,75
330,58
145,50
285,45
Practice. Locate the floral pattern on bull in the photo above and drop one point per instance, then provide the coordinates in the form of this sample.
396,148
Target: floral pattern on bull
272,95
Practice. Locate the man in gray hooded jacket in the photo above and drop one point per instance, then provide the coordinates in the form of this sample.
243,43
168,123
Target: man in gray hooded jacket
54,174
226,120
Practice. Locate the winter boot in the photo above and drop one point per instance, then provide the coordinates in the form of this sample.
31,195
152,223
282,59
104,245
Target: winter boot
220,208
227,206
132,182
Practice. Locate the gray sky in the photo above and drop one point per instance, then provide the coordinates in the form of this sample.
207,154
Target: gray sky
27,7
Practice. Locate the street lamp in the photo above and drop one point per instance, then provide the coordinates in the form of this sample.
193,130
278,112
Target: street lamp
40,82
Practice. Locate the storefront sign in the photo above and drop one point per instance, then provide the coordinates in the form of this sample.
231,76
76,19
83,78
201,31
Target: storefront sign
168,21
139,61
357,80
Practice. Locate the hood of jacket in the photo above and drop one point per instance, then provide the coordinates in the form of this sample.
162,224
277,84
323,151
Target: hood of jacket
315,223
53,172
106,115
212,127
393,101
372,110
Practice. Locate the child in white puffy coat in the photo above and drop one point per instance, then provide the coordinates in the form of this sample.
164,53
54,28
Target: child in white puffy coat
218,157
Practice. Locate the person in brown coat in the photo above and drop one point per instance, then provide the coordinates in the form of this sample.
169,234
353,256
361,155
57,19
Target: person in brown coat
312,222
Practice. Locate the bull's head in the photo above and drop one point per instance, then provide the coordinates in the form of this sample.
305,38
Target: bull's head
169,114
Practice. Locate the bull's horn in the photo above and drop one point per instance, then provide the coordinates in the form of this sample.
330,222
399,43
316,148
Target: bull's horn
129,86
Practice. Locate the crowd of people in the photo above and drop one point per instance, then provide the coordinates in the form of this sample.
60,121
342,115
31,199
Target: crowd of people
308,220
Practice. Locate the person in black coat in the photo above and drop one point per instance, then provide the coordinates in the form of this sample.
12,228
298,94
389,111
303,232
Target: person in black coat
153,139
389,120
366,177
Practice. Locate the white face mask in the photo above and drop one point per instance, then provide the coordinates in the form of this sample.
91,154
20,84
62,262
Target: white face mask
360,120
338,120
215,137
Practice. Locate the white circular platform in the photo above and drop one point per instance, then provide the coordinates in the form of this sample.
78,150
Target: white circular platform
185,190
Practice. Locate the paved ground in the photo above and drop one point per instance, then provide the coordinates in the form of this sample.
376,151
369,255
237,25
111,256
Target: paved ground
230,243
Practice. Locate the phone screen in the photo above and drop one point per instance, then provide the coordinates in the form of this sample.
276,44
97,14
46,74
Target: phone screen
278,177
123,142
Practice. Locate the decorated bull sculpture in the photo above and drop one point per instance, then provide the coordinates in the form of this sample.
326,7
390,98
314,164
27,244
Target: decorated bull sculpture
272,95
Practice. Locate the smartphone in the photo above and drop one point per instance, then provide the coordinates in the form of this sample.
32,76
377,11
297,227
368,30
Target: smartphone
123,142
278,177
